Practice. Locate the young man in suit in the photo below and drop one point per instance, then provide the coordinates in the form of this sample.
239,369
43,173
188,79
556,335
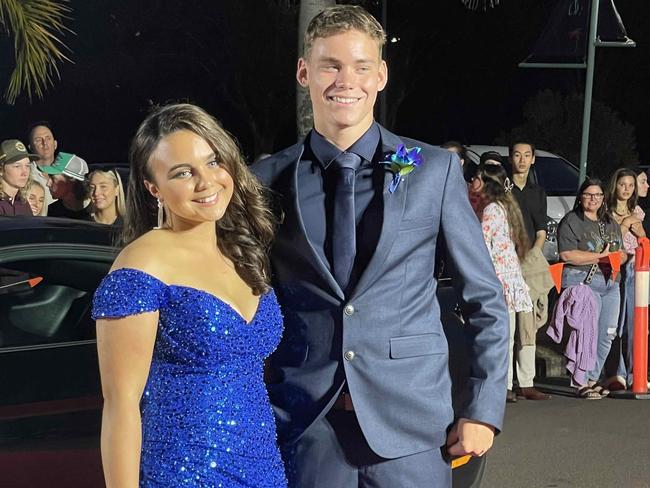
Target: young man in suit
361,385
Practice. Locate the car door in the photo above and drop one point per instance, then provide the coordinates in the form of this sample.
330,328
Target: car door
50,394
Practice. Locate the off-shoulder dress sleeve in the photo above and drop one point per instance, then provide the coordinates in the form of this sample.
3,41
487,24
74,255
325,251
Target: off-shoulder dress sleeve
125,292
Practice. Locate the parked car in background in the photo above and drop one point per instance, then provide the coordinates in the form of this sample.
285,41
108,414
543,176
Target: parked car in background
557,176
50,396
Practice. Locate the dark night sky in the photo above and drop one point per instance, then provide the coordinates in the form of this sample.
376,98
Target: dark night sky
465,86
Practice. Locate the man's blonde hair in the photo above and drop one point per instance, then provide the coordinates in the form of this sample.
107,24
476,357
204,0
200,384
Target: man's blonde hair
341,18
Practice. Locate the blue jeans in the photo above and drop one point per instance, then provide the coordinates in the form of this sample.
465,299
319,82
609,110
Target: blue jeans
609,301
626,322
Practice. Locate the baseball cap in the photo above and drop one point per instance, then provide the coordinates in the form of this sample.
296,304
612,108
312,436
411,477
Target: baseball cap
67,164
491,156
13,150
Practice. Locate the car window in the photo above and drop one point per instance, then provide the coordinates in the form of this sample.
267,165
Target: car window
557,176
54,307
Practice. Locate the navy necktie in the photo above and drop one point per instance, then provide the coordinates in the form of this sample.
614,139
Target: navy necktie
344,239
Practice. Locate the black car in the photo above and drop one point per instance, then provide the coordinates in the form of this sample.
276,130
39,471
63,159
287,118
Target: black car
50,395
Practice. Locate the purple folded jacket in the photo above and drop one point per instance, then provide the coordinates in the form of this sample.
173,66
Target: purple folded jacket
577,306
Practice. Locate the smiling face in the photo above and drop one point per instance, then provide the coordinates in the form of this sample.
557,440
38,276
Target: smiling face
103,191
591,198
189,179
36,198
625,188
344,72
15,175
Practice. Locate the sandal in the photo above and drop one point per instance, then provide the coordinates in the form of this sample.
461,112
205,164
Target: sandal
603,392
588,393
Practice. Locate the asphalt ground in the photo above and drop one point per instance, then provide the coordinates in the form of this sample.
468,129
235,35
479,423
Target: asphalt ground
571,442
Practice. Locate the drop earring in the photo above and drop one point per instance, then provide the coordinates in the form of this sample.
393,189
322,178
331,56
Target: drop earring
161,215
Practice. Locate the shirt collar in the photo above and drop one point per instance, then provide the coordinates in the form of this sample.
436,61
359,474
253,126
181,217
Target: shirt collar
326,152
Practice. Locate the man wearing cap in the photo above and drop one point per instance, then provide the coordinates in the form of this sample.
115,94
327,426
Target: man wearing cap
14,176
66,183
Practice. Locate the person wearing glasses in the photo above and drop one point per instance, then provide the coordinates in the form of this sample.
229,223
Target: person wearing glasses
586,236
107,197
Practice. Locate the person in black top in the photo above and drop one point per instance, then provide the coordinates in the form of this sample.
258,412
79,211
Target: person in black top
530,196
643,201
532,202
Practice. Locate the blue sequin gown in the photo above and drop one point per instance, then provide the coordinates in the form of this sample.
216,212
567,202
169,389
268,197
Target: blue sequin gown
206,415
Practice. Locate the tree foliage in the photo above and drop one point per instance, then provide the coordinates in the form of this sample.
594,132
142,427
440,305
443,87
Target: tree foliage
36,27
554,122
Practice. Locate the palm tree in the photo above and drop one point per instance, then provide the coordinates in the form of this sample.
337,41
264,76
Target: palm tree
480,4
35,26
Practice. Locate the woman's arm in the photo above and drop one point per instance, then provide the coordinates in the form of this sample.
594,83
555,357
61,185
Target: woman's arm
125,347
489,225
580,258
636,228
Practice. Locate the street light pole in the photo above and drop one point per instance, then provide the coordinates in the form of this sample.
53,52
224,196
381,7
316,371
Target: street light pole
589,86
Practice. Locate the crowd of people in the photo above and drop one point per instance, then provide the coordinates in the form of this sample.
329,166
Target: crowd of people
38,181
602,229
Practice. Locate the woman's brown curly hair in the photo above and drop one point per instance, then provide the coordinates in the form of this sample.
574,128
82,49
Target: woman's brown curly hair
245,232
497,188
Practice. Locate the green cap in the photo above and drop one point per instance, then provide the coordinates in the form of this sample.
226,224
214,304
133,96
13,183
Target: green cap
13,150
67,164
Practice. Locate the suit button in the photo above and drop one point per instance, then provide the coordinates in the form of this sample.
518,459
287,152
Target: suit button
348,310
349,355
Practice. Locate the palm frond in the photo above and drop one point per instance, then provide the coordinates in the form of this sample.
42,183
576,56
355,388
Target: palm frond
480,4
36,26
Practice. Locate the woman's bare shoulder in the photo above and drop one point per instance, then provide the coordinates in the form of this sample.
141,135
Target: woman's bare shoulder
148,253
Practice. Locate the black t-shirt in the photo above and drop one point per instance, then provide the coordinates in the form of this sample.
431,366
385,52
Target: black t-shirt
532,202
581,233
57,209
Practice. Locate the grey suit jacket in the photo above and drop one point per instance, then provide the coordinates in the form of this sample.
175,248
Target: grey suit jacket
386,339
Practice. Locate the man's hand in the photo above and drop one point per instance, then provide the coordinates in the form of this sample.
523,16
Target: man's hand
470,437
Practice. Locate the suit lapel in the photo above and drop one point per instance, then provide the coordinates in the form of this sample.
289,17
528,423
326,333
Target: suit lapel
392,215
300,241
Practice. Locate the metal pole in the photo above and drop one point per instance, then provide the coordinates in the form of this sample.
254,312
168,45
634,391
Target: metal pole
589,85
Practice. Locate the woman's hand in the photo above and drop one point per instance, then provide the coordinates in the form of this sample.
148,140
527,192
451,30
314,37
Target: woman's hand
604,255
628,222
636,228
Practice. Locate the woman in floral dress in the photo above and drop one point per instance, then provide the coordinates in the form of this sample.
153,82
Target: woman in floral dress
505,236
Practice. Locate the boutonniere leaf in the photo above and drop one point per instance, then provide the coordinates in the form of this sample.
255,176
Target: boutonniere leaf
402,162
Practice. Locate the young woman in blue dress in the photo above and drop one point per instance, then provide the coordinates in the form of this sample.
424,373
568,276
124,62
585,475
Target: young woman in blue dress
186,316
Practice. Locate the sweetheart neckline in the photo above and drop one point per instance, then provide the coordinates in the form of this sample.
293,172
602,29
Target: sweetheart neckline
223,302
206,292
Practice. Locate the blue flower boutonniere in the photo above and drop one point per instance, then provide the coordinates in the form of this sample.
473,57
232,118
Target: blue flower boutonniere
402,162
